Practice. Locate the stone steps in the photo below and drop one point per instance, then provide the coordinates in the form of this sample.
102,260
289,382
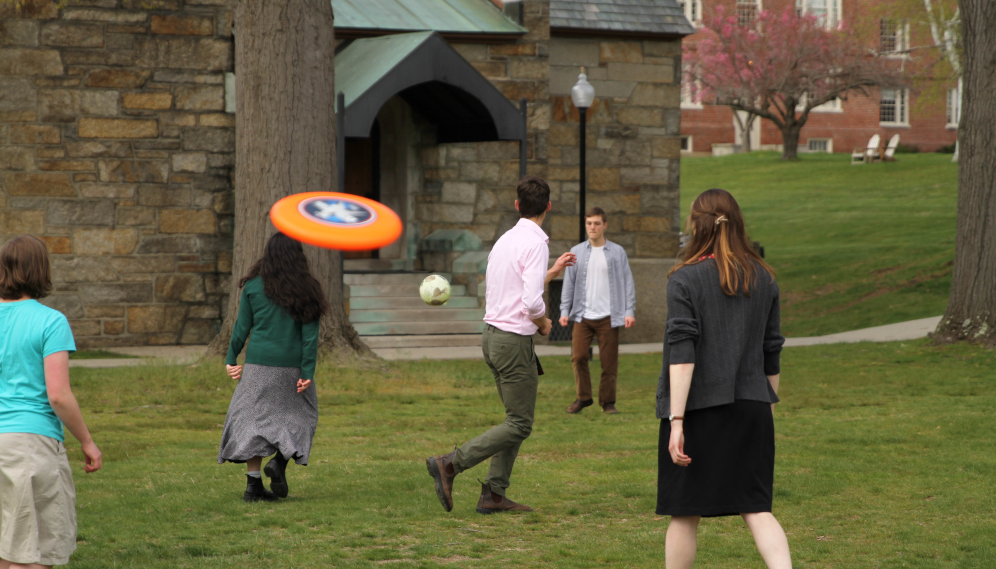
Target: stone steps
409,301
402,290
389,278
416,315
426,341
365,329
377,265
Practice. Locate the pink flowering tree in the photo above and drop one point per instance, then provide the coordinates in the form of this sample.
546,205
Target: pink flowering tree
781,67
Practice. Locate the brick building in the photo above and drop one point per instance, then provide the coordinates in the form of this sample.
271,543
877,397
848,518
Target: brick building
117,147
840,126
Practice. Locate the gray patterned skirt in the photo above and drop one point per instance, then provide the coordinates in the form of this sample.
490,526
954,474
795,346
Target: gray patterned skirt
267,415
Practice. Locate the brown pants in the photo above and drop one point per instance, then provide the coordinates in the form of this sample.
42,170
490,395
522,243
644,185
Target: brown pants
608,353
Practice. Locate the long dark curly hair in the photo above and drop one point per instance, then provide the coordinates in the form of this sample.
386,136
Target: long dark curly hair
287,280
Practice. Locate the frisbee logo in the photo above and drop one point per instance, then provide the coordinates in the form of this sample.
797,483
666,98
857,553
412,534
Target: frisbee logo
337,211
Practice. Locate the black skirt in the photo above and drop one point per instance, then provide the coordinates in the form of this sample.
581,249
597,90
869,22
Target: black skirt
732,448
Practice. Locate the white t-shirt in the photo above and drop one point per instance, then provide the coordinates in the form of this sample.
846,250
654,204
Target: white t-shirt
596,289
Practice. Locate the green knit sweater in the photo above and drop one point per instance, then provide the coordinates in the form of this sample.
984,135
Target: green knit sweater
277,340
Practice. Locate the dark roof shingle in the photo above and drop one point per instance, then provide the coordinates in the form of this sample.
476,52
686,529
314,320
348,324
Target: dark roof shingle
664,17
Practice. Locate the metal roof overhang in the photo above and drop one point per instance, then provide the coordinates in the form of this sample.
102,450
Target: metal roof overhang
433,78
466,20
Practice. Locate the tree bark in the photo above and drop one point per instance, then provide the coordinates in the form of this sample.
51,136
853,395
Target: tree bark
790,141
285,141
971,312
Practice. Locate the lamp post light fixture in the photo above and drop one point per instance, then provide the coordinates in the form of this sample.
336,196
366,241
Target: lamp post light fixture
583,95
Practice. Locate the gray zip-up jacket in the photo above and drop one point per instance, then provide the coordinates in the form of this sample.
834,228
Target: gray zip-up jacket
622,293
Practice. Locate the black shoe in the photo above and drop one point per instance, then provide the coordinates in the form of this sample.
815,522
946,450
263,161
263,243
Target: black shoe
255,491
276,471
579,405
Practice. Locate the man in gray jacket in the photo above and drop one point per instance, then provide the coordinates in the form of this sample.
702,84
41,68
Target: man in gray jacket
599,297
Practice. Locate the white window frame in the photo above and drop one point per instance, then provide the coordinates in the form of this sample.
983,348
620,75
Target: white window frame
829,142
833,106
693,11
757,10
690,147
834,11
687,102
902,39
953,108
902,111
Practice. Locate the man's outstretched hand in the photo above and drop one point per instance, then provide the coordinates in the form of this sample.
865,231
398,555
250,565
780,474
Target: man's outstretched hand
566,260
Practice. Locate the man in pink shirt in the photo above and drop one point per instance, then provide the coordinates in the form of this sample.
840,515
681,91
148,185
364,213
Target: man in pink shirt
515,280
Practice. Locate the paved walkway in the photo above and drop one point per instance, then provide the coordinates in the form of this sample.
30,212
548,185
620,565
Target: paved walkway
911,330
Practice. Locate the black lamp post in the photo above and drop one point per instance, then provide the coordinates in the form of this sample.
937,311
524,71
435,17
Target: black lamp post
583,95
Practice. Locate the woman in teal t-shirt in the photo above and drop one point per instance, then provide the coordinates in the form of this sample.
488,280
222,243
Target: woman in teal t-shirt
37,495
274,410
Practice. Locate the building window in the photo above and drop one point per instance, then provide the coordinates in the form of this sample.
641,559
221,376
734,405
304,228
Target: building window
828,12
820,145
954,107
894,38
894,107
690,98
832,106
692,9
747,11
686,143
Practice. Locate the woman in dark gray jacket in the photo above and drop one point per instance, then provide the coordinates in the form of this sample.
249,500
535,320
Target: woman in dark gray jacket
718,386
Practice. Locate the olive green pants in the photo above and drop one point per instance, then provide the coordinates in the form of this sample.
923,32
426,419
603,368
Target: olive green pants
513,362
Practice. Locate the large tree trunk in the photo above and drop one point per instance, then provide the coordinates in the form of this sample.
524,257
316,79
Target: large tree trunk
971,312
285,141
790,141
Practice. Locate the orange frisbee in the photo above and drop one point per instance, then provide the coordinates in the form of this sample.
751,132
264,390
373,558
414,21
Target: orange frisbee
336,221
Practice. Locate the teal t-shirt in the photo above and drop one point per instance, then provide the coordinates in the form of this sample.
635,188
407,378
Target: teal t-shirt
29,332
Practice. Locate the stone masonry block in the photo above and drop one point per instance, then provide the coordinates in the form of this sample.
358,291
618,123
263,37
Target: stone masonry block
529,68
189,162
614,203
34,134
209,139
216,120
451,213
153,101
661,200
459,192
184,53
72,35
16,222
79,212
136,216
105,312
620,51
19,33
180,288
113,327
641,116
472,51
197,332
563,227
666,147
483,171
85,327
96,190
635,153
93,149
644,175
79,269
68,102
661,245
647,224
656,95
641,72
603,179
158,196
20,61
68,304
57,245
37,184
182,25
16,158
187,221
137,264
17,94
118,128
671,48
200,97
117,78
499,150
112,16
153,171
100,241
574,53
115,293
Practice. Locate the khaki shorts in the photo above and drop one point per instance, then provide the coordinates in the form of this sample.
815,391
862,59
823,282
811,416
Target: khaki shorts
37,500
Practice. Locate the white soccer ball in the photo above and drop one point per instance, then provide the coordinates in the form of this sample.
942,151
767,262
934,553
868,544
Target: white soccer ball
435,290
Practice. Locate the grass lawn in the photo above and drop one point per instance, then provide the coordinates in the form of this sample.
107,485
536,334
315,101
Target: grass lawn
885,460
854,246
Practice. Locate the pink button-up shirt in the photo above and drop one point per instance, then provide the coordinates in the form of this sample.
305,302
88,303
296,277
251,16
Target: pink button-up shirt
515,279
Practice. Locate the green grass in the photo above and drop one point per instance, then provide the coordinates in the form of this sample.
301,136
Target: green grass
885,460
854,246
98,355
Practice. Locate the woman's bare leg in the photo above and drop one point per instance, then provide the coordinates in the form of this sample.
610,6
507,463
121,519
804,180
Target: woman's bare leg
254,464
4,564
680,543
770,539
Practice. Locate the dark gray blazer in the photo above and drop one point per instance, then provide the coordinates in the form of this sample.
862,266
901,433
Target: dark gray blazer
734,341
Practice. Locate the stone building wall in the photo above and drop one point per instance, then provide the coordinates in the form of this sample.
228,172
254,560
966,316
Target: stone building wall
116,150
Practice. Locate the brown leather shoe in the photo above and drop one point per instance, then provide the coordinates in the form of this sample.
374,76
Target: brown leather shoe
578,405
610,409
491,503
444,482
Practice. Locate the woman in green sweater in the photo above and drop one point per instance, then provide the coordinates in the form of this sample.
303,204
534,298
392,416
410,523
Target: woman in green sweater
274,409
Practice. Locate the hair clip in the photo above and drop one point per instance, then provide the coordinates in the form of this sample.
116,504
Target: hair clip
721,219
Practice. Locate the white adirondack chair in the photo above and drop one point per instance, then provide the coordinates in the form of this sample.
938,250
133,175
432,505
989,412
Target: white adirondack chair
890,150
867,154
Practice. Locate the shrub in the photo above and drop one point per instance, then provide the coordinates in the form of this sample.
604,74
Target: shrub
907,149
946,149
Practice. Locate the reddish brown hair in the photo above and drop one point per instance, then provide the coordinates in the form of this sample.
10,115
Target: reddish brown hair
716,227
592,212
24,269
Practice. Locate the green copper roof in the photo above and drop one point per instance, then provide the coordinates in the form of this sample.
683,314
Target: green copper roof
366,61
445,16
